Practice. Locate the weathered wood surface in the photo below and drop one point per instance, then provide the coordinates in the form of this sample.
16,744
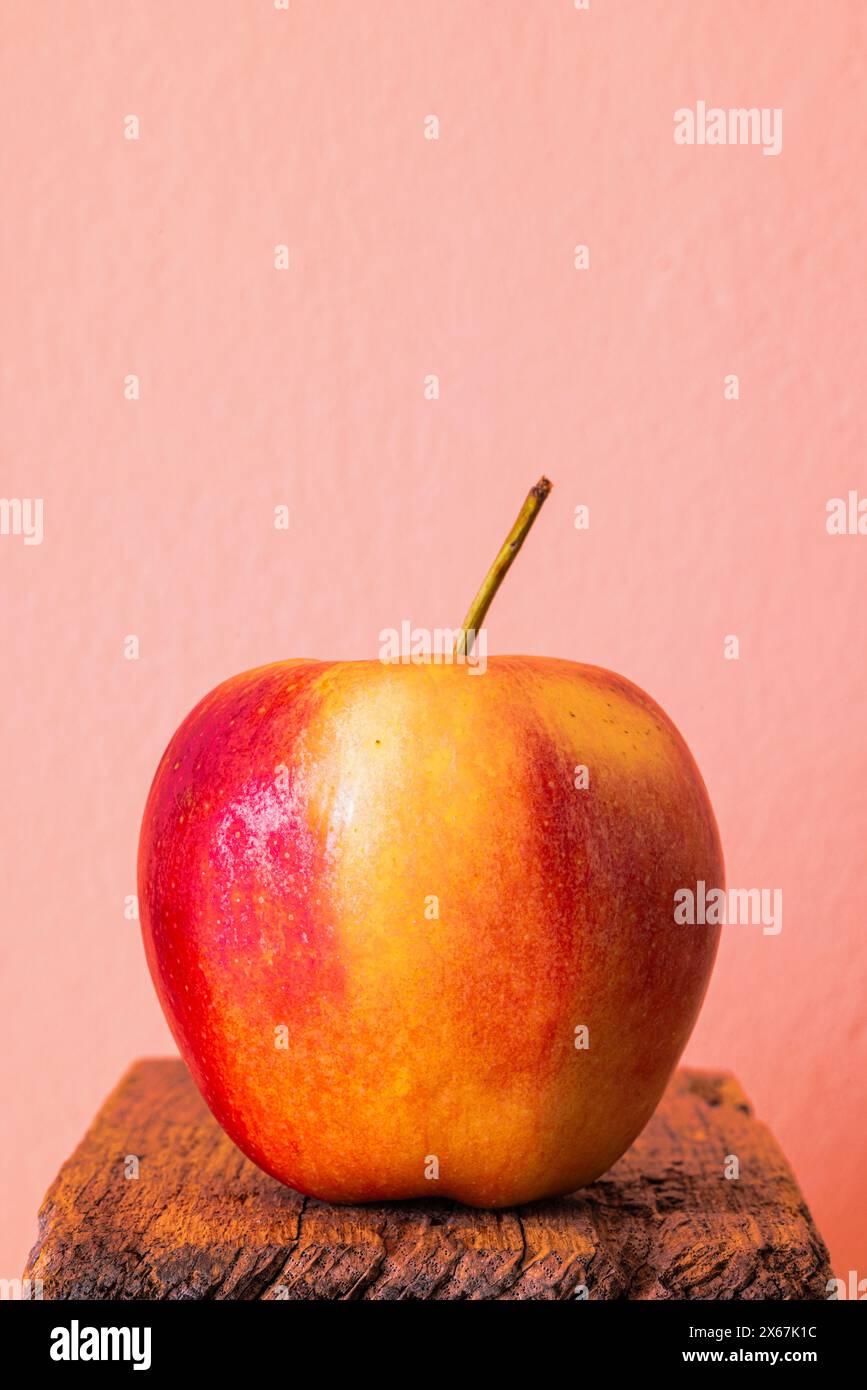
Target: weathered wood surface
202,1222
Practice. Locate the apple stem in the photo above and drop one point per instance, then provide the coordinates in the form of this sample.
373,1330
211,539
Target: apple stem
500,568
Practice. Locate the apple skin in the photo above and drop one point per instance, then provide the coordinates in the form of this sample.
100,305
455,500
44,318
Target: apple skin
297,826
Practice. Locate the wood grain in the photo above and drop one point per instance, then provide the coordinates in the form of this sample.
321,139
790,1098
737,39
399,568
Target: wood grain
201,1222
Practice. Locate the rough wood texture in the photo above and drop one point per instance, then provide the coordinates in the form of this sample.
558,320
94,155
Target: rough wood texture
202,1222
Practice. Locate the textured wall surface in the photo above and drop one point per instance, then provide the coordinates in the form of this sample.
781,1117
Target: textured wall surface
305,387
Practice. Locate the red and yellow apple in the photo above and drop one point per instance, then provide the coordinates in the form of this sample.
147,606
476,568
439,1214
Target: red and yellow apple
404,949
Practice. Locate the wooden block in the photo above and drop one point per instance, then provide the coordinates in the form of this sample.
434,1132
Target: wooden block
202,1222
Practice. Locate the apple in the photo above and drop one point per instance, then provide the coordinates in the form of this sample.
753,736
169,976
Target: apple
414,932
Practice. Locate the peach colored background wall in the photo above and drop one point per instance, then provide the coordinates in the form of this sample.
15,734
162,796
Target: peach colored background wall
305,387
